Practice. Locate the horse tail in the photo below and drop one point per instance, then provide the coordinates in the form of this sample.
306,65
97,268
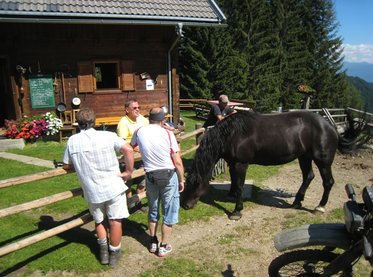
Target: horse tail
356,135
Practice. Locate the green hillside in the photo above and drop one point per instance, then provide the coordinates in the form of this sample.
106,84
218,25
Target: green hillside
366,90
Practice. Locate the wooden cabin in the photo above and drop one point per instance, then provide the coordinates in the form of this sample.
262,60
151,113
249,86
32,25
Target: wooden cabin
99,53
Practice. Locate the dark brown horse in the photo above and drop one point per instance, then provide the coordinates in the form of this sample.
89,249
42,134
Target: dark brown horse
249,138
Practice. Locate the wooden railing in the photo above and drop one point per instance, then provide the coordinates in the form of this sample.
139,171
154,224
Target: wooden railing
202,108
190,103
62,196
338,117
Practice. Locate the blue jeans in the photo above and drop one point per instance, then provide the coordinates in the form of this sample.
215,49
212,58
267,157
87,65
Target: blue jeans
168,196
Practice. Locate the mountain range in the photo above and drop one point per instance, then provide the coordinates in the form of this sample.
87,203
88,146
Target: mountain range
360,75
366,90
361,70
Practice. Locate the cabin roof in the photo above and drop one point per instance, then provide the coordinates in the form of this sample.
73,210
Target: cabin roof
156,12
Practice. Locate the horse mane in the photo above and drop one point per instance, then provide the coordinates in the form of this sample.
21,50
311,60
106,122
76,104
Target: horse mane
212,145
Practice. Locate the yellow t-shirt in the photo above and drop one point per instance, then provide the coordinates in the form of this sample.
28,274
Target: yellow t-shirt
127,127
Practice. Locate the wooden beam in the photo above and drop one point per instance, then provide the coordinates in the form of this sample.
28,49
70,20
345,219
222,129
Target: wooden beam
45,175
190,134
189,150
40,202
32,177
59,197
59,229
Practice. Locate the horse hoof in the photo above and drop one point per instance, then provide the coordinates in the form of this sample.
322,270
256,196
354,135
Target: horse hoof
235,216
296,205
320,209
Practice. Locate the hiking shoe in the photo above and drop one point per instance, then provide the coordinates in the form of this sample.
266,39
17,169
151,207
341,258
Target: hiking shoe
114,257
153,247
164,250
104,254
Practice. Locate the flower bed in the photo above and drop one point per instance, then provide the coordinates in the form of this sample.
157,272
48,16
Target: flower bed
33,128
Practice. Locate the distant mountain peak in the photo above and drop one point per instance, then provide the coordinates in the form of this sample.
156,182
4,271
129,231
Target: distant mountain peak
362,70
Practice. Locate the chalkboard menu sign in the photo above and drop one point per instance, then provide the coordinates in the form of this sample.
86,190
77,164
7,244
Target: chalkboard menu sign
41,91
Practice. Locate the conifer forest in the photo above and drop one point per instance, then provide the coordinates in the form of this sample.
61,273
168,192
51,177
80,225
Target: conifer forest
272,52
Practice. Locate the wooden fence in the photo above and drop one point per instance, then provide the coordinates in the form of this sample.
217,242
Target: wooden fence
338,117
202,108
63,196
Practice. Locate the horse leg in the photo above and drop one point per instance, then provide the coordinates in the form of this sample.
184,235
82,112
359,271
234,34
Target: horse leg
238,174
234,183
327,183
305,164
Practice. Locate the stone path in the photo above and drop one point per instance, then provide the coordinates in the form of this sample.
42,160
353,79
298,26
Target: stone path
27,160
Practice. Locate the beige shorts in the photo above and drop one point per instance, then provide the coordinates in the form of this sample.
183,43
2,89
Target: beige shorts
115,208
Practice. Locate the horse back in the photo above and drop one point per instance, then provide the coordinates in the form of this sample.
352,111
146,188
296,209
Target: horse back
270,139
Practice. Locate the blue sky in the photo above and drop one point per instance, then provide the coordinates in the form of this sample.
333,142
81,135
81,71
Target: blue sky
355,19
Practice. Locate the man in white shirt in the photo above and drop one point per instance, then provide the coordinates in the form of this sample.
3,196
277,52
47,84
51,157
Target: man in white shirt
164,178
92,154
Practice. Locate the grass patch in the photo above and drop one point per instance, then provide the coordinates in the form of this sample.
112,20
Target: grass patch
171,267
72,250
304,217
47,150
227,239
27,192
11,169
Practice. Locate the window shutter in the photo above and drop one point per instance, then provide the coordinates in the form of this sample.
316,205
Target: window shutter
127,76
85,77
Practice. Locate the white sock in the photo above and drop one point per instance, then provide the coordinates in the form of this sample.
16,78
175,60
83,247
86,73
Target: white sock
102,241
115,248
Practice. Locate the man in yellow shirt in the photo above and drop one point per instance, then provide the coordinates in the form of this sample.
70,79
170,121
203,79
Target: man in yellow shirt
127,126
133,120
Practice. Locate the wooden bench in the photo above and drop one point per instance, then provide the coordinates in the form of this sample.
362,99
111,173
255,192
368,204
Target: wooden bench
107,121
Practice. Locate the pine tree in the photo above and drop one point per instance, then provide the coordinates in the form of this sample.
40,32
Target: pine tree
194,66
268,49
325,54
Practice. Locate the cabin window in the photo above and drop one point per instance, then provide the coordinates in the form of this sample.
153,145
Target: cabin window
106,76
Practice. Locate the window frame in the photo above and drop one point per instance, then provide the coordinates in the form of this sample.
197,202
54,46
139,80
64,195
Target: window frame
118,77
87,78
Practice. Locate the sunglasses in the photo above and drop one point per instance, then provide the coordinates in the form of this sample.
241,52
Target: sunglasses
135,108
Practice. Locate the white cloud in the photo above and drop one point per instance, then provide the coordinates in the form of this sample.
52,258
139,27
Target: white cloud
358,53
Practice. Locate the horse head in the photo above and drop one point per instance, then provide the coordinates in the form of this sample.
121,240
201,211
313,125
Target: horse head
195,187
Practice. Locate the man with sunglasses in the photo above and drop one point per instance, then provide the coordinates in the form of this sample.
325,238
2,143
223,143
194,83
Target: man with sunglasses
127,126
